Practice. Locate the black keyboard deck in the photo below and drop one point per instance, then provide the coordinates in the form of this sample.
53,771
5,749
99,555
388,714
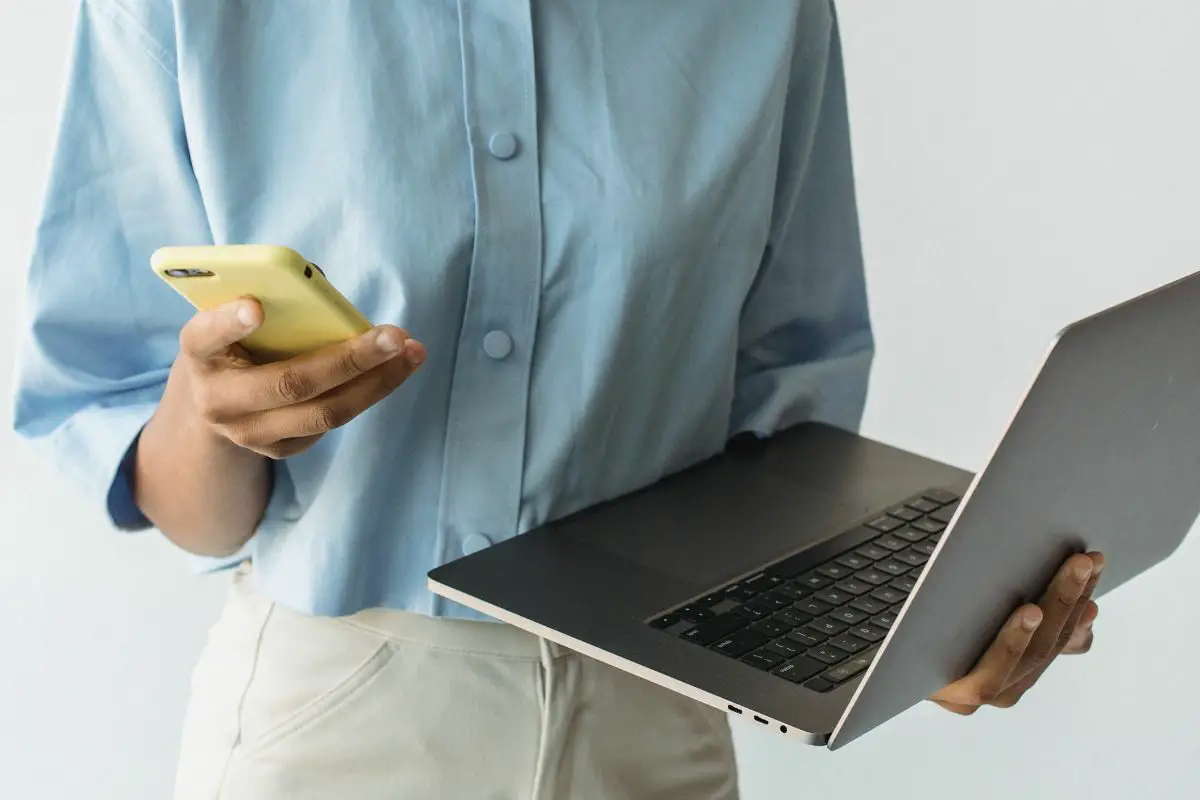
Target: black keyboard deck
816,618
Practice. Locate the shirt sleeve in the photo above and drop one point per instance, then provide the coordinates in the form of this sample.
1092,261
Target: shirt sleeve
101,330
805,341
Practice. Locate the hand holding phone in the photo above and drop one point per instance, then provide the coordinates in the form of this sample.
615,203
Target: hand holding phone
283,407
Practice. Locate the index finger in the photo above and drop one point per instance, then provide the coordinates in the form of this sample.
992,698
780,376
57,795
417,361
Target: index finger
991,675
302,378
210,333
1058,603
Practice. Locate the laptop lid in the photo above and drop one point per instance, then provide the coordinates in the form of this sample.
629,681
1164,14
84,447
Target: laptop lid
1102,454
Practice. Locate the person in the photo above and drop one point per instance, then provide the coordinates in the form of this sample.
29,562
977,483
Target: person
600,239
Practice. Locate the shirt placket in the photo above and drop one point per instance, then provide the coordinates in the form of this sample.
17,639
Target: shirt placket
489,398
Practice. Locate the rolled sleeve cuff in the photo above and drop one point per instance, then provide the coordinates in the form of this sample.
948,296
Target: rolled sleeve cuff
95,447
833,392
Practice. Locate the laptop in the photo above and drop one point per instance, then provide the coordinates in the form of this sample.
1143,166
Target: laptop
819,583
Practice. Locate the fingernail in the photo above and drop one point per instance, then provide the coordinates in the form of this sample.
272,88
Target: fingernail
245,315
1083,571
414,352
1031,619
387,341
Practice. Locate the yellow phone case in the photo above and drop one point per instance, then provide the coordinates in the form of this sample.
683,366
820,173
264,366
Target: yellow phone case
303,311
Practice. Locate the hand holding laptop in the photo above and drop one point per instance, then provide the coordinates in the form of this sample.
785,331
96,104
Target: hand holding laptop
1035,634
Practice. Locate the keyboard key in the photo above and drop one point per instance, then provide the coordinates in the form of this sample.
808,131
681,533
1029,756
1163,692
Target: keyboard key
892,543
926,547
785,648
889,595
868,633
847,670
873,576
772,600
892,568
835,571
929,525
771,627
905,513
814,581
711,599
910,535
828,655
905,584
739,593
851,644
819,685
763,659
799,669
870,605
826,626
940,496
762,583
721,625
912,558
854,561
873,551
751,612
945,514
885,524
665,621
834,597
791,591
848,615
805,638
793,618
812,607
853,586
739,643
923,505
884,620
696,613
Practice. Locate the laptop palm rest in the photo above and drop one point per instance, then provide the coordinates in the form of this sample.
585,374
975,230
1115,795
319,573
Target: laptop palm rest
708,526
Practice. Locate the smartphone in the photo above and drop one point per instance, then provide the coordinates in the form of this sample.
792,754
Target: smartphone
302,309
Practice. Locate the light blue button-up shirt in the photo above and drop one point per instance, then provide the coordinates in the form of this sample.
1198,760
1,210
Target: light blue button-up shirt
623,230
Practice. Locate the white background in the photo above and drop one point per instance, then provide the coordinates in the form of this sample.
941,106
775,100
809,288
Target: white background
1021,163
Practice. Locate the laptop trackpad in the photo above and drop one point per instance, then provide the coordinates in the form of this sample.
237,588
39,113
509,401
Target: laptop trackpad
709,526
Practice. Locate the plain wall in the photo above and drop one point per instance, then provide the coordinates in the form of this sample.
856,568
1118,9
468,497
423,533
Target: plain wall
1020,164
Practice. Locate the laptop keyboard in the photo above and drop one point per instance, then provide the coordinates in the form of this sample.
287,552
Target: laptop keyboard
816,618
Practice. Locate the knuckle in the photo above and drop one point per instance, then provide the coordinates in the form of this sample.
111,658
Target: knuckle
1007,701
350,363
989,693
327,417
241,435
1064,599
292,386
207,403
275,452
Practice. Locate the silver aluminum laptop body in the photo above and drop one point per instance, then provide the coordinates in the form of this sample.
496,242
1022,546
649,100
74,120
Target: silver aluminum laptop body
1103,453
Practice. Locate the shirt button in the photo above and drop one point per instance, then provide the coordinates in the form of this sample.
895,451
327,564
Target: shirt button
475,542
497,345
503,145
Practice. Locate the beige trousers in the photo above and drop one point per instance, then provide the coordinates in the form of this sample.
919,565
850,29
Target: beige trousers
388,705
